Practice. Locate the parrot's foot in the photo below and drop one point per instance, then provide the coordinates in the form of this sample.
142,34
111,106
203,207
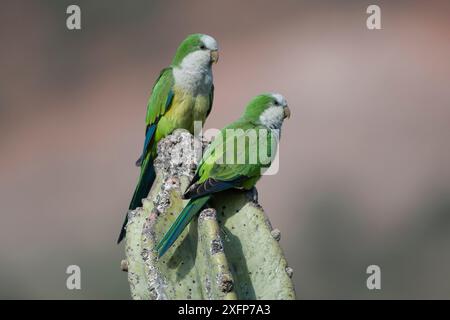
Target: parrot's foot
124,265
253,194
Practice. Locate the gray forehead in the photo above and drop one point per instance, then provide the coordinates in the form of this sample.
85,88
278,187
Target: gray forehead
279,98
209,42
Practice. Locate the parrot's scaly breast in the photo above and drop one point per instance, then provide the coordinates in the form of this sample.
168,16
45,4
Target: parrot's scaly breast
185,109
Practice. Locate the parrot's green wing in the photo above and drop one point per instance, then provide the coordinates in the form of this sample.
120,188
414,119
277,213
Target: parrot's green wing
159,102
211,98
161,97
216,173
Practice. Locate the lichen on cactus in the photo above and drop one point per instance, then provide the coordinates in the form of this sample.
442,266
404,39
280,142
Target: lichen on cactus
229,252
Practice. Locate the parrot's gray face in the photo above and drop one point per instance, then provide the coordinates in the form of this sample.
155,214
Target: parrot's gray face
209,44
272,117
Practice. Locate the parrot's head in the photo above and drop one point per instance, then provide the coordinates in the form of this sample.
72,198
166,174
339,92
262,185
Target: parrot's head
197,50
269,110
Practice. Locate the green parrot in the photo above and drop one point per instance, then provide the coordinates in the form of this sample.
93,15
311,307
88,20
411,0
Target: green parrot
182,94
227,164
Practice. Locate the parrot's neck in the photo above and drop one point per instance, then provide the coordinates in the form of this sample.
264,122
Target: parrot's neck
272,118
194,74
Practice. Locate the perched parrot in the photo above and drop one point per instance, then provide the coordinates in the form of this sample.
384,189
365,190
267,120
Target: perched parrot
182,94
262,119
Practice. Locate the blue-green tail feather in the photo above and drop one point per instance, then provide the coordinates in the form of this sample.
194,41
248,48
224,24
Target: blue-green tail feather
143,187
183,219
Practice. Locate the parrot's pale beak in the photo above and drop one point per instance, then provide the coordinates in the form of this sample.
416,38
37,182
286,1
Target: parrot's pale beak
214,56
287,112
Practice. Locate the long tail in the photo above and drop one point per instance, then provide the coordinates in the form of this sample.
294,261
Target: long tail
183,219
143,187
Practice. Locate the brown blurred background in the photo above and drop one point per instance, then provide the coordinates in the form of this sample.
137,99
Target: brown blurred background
365,160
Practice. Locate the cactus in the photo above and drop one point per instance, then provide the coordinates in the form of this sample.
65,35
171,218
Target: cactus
229,252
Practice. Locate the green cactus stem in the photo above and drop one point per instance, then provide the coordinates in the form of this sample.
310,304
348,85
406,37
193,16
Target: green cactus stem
229,252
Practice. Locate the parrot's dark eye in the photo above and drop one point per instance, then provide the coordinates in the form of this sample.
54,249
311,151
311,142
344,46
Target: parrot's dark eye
276,103
202,46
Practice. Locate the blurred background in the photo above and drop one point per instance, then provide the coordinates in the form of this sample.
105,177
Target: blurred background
364,161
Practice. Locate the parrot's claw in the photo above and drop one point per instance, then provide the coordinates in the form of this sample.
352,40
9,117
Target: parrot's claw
253,194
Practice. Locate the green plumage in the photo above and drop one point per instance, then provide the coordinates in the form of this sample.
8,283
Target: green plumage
171,106
235,159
